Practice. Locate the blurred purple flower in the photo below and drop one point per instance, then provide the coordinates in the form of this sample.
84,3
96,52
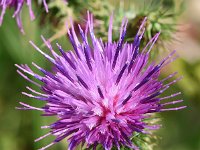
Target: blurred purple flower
17,6
102,92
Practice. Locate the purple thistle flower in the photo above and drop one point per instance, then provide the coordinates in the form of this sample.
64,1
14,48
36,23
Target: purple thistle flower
17,6
102,92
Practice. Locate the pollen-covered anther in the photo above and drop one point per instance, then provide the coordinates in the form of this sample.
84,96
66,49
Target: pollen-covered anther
98,111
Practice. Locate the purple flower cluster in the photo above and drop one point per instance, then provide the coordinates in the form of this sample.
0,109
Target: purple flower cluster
102,91
17,6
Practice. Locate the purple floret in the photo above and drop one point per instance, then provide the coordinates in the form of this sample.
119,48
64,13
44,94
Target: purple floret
17,6
102,91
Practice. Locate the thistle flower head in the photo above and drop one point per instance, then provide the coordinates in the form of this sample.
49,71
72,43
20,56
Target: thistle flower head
17,6
101,93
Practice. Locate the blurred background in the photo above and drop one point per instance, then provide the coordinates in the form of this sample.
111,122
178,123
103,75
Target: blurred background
180,129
